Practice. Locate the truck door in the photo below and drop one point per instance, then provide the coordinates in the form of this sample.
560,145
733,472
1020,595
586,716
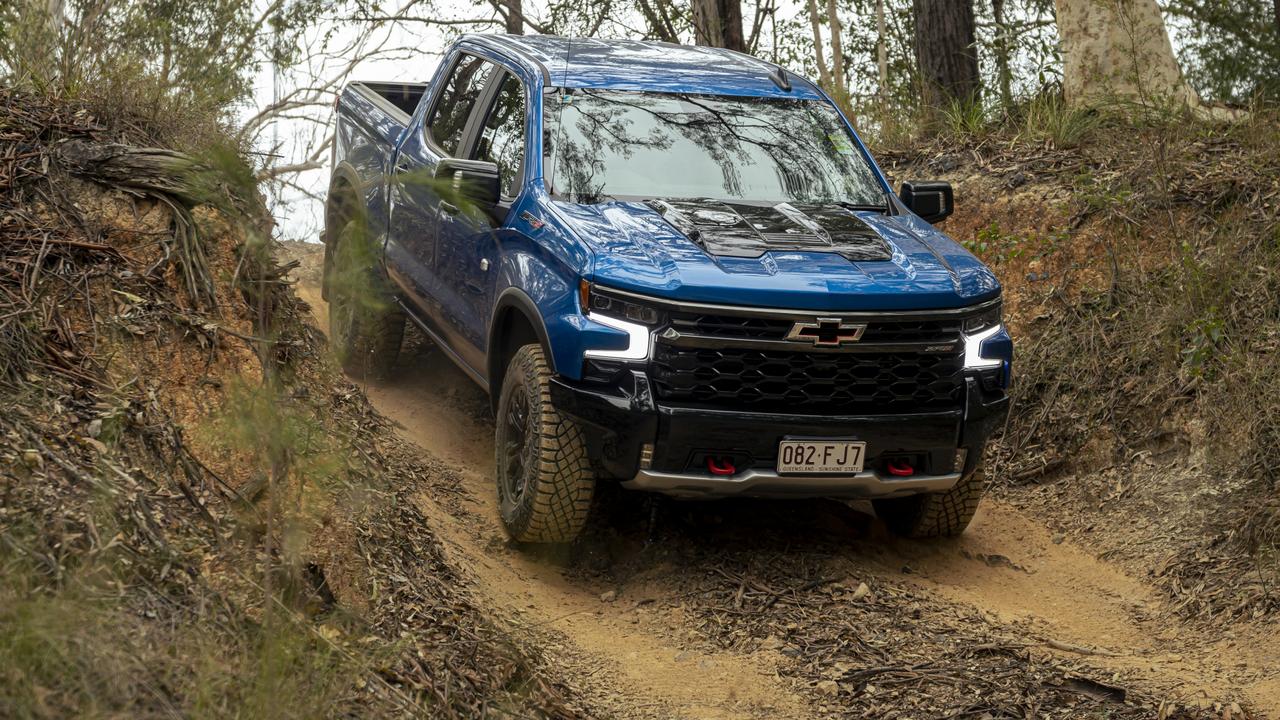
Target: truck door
414,224
467,250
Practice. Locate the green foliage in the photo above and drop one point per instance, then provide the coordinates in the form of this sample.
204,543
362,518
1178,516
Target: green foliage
58,653
1230,49
965,118
997,245
1047,117
993,243
75,651
169,59
1099,196
1024,44
1204,336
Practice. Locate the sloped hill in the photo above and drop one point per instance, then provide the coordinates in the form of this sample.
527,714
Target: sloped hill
198,516
1142,269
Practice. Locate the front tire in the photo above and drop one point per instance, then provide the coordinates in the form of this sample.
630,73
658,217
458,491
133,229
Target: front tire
544,476
366,326
935,515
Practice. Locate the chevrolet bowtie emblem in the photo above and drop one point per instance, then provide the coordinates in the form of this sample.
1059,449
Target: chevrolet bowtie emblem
827,332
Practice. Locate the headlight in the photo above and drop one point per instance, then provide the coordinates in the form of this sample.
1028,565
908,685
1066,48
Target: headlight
619,313
976,330
986,319
597,300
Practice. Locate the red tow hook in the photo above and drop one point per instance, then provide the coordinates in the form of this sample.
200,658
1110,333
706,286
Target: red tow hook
901,468
725,468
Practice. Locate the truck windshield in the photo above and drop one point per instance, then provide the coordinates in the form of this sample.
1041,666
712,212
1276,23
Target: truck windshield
615,145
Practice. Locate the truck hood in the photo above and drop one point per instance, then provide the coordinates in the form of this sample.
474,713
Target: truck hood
788,256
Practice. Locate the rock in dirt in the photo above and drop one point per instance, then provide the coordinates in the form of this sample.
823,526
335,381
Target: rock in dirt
773,642
828,688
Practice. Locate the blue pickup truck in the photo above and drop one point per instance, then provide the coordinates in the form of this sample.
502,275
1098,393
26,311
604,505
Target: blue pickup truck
676,268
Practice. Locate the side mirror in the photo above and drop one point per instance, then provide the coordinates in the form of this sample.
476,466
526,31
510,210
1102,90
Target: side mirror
474,182
932,200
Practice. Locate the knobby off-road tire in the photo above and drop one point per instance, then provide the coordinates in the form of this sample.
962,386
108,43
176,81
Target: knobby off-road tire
933,515
365,323
544,477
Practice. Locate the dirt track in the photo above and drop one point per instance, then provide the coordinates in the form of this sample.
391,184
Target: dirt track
621,611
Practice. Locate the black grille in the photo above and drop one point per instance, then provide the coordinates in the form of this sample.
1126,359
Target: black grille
731,326
800,382
903,331
773,328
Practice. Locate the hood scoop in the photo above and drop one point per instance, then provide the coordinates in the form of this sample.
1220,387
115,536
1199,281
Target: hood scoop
743,230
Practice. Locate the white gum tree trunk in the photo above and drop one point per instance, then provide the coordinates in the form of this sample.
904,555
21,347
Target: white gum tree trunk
1119,50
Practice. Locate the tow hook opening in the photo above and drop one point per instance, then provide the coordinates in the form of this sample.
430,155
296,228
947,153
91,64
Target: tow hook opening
723,466
900,467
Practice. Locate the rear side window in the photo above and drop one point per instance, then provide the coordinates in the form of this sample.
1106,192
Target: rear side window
502,139
449,117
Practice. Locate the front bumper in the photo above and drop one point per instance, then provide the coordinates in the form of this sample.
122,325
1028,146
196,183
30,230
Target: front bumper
619,423
766,483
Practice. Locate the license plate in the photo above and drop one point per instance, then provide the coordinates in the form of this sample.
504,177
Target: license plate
820,456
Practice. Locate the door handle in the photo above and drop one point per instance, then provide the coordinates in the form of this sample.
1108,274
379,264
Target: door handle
448,207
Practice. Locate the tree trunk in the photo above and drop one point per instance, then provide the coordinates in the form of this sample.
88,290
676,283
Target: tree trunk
1276,3
819,54
840,87
882,61
657,17
1003,37
514,19
837,47
946,51
731,22
1118,50
718,23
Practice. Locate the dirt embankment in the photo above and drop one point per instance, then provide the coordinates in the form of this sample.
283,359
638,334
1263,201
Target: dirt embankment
198,515
809,609
1142,269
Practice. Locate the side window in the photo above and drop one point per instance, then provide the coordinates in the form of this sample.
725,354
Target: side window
502,139
449,117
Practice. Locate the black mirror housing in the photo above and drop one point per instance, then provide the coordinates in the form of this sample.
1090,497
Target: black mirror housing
474,181
932,200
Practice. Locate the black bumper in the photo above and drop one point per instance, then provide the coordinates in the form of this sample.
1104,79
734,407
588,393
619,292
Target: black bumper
619,421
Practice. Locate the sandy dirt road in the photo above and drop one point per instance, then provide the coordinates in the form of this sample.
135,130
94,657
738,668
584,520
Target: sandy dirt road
614,613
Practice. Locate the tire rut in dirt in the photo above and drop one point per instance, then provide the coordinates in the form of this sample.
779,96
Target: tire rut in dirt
820,586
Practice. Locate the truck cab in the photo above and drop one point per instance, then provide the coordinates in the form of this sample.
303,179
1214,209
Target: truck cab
674,268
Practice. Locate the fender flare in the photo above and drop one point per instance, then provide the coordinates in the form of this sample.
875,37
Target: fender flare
517,300
342,173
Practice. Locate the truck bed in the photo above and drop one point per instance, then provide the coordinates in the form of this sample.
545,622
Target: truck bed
371,117
403,96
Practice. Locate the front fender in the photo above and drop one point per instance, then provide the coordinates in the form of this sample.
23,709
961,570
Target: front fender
545,291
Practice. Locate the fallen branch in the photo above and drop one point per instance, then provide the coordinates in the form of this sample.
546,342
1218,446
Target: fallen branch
1078,649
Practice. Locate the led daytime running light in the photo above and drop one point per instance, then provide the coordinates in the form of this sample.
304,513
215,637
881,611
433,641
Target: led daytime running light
637,339
973,349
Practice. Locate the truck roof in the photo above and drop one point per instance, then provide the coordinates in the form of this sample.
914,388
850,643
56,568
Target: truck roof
645,65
